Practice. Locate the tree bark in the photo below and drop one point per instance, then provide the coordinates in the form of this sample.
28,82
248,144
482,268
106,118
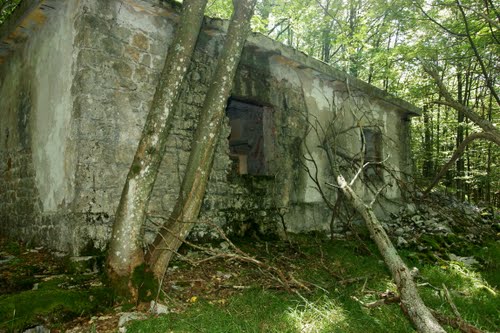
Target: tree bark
412,304
428,167
126,249
193,187
456,155
460,165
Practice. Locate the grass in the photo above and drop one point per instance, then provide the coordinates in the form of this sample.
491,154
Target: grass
230,296
55,305
335,307
48,303
37,288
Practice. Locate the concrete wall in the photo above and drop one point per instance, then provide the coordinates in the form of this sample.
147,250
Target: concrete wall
77,94
37,152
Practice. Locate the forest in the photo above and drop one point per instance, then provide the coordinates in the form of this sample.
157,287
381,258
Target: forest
440,55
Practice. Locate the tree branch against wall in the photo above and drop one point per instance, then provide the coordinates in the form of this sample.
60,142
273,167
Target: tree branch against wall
200,162
126,249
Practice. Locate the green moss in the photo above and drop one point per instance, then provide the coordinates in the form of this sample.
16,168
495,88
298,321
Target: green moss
50,302
144,280
136,168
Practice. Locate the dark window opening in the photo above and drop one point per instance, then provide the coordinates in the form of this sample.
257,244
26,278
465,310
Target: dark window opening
252,138
372,142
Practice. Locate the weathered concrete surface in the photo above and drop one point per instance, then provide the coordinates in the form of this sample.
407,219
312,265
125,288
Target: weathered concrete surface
76,92
37,153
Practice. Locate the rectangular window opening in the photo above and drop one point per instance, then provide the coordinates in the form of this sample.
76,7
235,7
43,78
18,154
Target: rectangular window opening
372,143
251,142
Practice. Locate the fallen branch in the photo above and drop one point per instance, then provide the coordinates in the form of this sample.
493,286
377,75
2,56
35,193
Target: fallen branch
450,301
242,256
387,299
457,323
412,304
352,280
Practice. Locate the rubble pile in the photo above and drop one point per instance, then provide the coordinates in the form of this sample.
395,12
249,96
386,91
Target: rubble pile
441,217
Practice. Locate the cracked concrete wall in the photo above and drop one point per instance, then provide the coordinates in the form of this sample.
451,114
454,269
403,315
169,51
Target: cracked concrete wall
73,127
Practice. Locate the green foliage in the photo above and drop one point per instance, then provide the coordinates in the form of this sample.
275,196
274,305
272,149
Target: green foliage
6,9
219,8
145,282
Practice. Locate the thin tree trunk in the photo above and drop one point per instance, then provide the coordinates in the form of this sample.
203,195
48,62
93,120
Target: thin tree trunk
411,302
428,167
486,125
459,139
458,152
479,58
206,137
126,249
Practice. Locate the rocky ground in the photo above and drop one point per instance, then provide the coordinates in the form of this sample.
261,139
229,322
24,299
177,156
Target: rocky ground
437,226
444,218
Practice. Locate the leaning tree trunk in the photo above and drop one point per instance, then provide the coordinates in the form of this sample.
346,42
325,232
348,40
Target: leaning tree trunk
486,126
456,155
188,204
125,249
411,302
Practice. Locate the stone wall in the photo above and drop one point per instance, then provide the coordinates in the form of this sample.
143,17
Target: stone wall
73,127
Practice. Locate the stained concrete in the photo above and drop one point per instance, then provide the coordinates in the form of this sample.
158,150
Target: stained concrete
76,89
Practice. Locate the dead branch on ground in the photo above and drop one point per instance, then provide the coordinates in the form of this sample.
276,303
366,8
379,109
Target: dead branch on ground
411,302
240,255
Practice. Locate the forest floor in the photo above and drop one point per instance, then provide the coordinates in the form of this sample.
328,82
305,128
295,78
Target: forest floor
338,285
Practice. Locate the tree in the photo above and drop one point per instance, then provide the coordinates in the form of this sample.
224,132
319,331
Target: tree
198,169
347,163
411,302
125,249
472,67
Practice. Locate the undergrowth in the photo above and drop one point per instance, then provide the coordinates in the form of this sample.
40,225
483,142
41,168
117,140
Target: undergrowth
205,294
341,276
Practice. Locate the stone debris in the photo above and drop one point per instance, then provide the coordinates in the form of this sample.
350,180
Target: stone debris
37,329
158,308
466,261
125,317
440,215
84,264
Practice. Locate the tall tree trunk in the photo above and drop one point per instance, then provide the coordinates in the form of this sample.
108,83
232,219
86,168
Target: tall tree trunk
438,138
428,167
126,249
460,165
411,302
353,17
489,161
193,187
